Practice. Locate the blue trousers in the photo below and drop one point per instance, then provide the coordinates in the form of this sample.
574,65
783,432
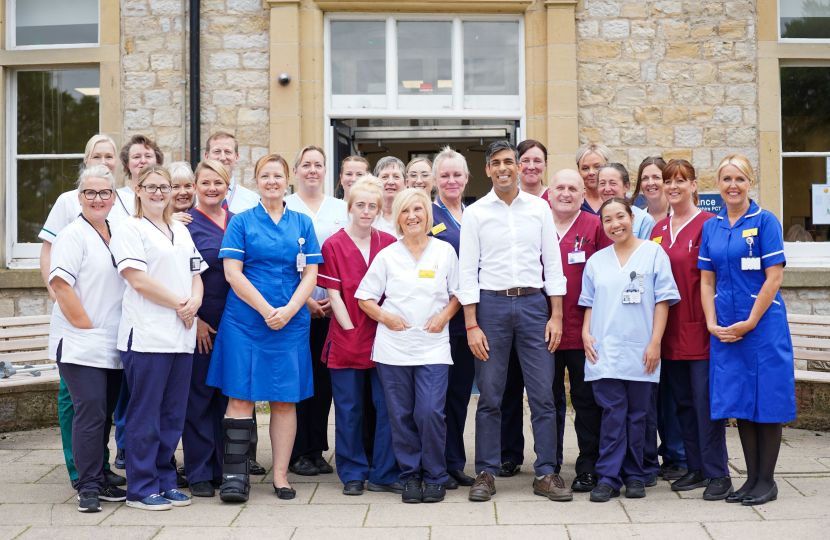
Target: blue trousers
415,399
704,439
120,413
518,322
459,388
350,456
625,406
159,384
202,434
663,420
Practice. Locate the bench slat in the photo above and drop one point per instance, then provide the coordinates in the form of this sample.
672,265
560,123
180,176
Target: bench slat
823,344
812,376
800,354
24,321
808,319
24,344
26,357
802,330
24,331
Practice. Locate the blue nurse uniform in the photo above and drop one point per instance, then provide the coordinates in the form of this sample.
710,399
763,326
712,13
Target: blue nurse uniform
250,361
750,379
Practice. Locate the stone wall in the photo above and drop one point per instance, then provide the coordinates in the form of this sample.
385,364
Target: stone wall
24,302
234,74
669,77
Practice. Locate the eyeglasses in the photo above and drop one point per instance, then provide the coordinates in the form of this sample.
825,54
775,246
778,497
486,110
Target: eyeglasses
90,194
423,175
153,188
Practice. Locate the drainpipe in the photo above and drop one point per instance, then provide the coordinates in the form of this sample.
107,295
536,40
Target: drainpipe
183,81
195,85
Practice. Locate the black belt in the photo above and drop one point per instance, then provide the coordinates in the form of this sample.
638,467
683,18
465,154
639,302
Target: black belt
518,291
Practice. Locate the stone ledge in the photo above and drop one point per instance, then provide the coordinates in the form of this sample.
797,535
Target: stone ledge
427,6
21,279
802,277
29,407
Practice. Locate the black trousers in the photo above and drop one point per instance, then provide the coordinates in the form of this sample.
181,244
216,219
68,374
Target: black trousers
313,413
459,388
588,413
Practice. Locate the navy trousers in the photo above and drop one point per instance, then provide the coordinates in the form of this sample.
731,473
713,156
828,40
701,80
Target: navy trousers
313,413
704,439
519,322
159,384
663,420
94,393
415,399
120,413
625,406
460,386
202,434
350,456
588,418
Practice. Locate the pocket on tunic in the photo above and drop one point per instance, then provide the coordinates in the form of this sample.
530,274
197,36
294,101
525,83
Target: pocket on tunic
631,358
88,346
160,333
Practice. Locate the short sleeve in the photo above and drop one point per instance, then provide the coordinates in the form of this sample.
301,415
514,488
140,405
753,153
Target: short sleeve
328,273
665,287
67,256
704,262
646,226
373,284
312,246
59,217
771,237
127,247
233,243
452,271
586,295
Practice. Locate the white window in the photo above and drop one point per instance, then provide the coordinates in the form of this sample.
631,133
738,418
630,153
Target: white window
51,115
805,162
804,20
452,66
52,23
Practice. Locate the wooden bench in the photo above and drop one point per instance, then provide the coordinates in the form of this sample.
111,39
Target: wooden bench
811,348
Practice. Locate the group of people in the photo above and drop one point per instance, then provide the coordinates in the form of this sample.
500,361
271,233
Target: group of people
183,298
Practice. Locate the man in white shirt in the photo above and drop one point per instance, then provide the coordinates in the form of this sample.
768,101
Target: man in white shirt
223,147
509,264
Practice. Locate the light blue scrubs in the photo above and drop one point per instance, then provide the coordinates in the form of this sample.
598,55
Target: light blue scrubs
752,378
623,331
643,223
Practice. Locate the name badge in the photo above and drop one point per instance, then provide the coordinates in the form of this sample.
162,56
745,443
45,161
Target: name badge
631,297
658,240
301,256
195,264
426,274
576,257
751,263
438,228
750,232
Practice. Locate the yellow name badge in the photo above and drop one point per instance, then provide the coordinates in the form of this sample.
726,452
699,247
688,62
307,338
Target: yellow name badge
437,229
658,240
750,232
426,273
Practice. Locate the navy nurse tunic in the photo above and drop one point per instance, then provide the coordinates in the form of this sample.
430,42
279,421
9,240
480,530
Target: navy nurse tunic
251,361
752,378
208,235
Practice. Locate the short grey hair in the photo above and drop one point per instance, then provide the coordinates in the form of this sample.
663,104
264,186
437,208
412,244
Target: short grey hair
96,171
498,146
620,168
389,161
448,153
180,171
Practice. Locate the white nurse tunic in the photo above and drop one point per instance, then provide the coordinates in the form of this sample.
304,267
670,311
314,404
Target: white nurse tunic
67,208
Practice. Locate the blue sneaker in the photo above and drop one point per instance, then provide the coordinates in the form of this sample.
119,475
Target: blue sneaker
176,497
151,502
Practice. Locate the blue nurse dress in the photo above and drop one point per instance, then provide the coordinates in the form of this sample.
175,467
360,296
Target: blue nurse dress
251,361
752,378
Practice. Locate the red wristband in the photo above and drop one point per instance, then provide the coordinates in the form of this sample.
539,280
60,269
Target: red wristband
470,328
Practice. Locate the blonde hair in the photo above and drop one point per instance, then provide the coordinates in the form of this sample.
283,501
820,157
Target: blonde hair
309,148
419,160
448,153
741,162
96,171
142,176
180,171
403,200
215,166
370,184
593,148
94,140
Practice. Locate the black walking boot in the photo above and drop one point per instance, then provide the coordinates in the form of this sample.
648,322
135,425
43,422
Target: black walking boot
237,434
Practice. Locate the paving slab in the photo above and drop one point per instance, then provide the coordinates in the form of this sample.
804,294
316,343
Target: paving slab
501,532
54,457
59,475
784,490
67,514
36,493
675,531
223,533
790,464
794,508
444,513
366,533
264,494
808,486
212,514
26,514
85,533
7,455
7,532
548,512
802,529
330,493
27,473
302,515
680,510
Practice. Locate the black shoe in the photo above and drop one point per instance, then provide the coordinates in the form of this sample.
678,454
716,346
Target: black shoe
750,500
256,468
353,487
689,481
509,468
412,491
202,489
603,493
113,479
738,496
462,478
112,494
181,481
394,487
180,470
434,493
634,489
322,465
652,481
451,483
584,482
718,489
672,472
120,459
285,493
304,467
88,502
216,482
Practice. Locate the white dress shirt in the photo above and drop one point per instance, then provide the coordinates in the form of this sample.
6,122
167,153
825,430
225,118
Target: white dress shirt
241,198
503,247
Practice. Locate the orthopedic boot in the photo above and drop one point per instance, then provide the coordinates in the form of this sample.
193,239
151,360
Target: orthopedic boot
236,434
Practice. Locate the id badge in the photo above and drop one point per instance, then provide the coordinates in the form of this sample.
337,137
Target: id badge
576,257
195,264
751,263
426,274
300,262
631,297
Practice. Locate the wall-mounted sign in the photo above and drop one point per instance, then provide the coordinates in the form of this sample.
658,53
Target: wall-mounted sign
710,202
821,204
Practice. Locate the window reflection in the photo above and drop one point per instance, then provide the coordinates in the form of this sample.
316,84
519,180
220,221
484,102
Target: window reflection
56,22
491,58
804,19
425,58
805,109
358,57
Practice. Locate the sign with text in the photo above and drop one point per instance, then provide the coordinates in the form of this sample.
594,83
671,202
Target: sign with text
710,202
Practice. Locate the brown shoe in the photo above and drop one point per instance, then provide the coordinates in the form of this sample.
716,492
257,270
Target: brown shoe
484,487
553,487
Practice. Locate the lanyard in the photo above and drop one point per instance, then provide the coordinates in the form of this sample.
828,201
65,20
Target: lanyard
233,194
102,238
444,208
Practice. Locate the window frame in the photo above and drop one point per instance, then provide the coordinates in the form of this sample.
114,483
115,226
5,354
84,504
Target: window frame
792,40
11,33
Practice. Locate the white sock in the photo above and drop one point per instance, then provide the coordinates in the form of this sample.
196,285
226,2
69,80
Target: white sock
540,477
